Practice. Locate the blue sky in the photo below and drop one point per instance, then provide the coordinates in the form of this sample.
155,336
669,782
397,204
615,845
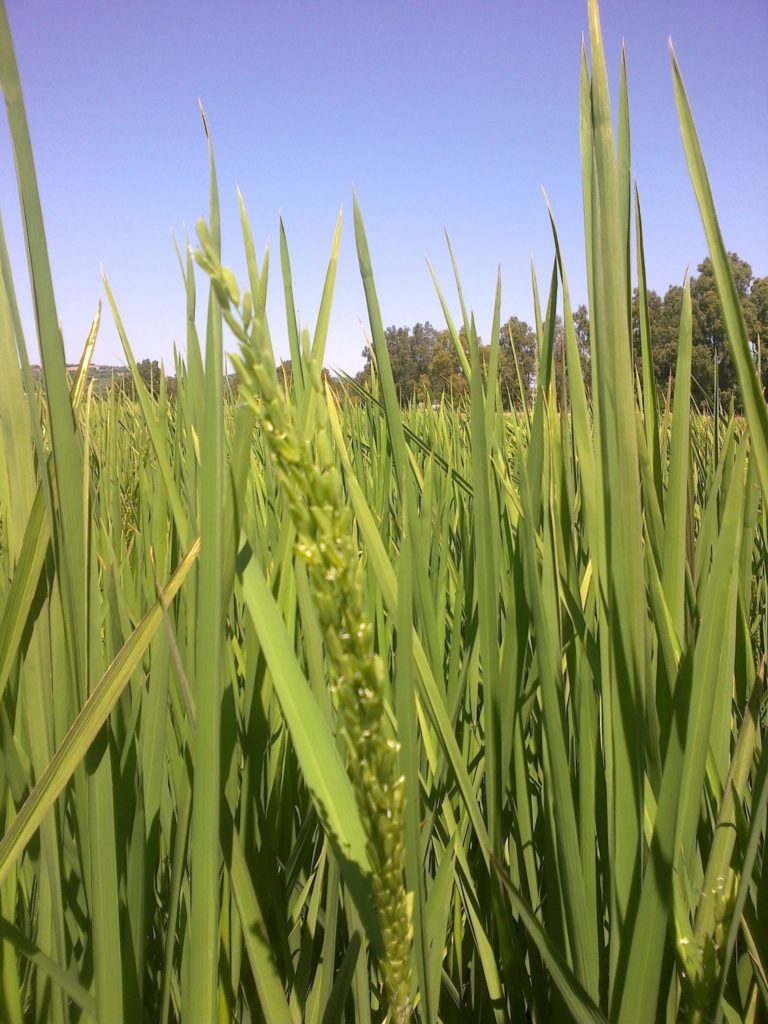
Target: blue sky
443,115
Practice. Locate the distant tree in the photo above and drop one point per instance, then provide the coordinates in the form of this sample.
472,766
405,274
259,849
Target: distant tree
445,374
758,301
758,298
402,361
709,328
149,371
411,352
285,373
517,341
559,356
709,337
581,326
664,323
710,342
232,386
424,360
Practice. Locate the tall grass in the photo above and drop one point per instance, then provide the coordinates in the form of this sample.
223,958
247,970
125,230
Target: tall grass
318,710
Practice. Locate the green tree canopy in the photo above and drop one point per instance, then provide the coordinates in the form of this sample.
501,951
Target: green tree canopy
425,363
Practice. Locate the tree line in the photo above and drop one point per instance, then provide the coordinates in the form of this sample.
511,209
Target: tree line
425,363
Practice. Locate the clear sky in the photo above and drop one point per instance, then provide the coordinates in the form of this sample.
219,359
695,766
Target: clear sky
443,115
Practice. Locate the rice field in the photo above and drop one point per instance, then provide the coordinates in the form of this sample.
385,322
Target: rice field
317,709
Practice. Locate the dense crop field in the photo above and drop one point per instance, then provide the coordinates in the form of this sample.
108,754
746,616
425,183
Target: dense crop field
317,709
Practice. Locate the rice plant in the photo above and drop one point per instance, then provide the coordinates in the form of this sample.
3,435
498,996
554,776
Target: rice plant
315,709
